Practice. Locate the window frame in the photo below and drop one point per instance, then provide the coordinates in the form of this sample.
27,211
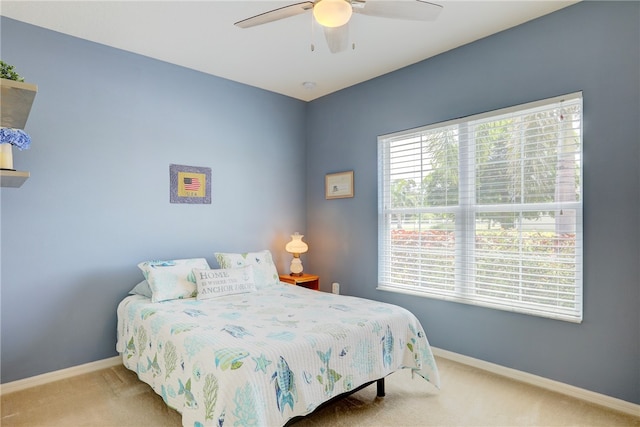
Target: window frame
465,223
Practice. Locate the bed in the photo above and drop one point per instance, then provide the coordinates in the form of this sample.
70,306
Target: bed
268,355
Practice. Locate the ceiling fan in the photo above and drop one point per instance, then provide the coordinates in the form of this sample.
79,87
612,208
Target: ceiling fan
334,15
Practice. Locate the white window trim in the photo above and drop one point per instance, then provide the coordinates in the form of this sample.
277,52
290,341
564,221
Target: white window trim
463,292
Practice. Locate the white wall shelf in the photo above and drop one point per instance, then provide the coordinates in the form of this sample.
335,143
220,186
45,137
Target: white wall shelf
17,98
13,179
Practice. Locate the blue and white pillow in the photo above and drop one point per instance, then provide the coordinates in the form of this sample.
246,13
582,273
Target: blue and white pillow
172,279
264,269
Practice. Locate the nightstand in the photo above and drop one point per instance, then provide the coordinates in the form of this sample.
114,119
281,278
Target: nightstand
310,281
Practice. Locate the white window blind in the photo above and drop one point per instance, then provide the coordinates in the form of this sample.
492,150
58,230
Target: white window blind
487,210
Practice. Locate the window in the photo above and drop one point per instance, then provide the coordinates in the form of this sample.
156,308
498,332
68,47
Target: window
487,210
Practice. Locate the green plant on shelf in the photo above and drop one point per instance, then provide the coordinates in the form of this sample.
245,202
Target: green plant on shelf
7,72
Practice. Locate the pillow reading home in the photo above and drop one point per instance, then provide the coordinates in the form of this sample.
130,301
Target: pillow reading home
224,281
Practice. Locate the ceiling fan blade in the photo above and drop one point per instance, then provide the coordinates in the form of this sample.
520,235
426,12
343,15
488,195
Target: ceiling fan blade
276,14
337,37
416,10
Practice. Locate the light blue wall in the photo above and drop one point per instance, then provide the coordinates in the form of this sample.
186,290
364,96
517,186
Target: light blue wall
105,125
591,46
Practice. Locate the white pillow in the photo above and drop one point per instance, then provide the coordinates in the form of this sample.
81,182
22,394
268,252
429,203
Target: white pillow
264,270
224,281
172,279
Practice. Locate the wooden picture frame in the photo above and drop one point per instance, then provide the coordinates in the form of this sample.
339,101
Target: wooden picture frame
189,184
338,185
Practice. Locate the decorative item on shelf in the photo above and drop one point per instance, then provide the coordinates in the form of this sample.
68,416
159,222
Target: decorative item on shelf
8,72
296,247
9,138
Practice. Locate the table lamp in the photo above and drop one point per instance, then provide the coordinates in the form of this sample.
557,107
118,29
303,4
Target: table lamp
296,247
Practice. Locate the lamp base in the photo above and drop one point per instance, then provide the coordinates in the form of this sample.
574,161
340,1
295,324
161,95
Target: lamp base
296,266
296,274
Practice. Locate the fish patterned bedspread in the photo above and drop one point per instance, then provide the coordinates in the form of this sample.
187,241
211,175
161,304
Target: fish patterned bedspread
264,357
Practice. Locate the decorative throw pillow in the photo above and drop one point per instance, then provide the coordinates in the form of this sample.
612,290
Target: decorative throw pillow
264,270
172,279
224,281
141,288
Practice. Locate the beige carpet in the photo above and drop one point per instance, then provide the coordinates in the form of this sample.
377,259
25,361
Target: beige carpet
469,397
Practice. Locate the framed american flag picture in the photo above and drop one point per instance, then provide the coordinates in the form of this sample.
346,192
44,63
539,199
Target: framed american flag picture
189,184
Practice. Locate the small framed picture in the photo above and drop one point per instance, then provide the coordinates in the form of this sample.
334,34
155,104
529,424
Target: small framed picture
189,184
338,185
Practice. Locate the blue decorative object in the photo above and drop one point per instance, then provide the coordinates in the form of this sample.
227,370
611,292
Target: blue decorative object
16,137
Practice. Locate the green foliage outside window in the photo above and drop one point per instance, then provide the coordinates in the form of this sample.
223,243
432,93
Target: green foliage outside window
515,162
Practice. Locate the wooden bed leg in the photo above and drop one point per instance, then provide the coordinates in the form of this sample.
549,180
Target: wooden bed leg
380,384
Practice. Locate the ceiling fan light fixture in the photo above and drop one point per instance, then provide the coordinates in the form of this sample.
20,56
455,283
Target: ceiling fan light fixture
332,13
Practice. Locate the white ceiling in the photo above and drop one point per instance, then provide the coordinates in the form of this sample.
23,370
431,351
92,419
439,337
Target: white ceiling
277,56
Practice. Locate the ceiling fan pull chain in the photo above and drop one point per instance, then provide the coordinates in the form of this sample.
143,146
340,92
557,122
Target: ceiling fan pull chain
313,34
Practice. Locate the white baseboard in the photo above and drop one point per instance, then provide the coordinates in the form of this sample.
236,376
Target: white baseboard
59,375
548,384
556,386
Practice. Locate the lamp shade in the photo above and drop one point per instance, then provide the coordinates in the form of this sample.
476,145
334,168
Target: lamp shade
332,13
296,245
